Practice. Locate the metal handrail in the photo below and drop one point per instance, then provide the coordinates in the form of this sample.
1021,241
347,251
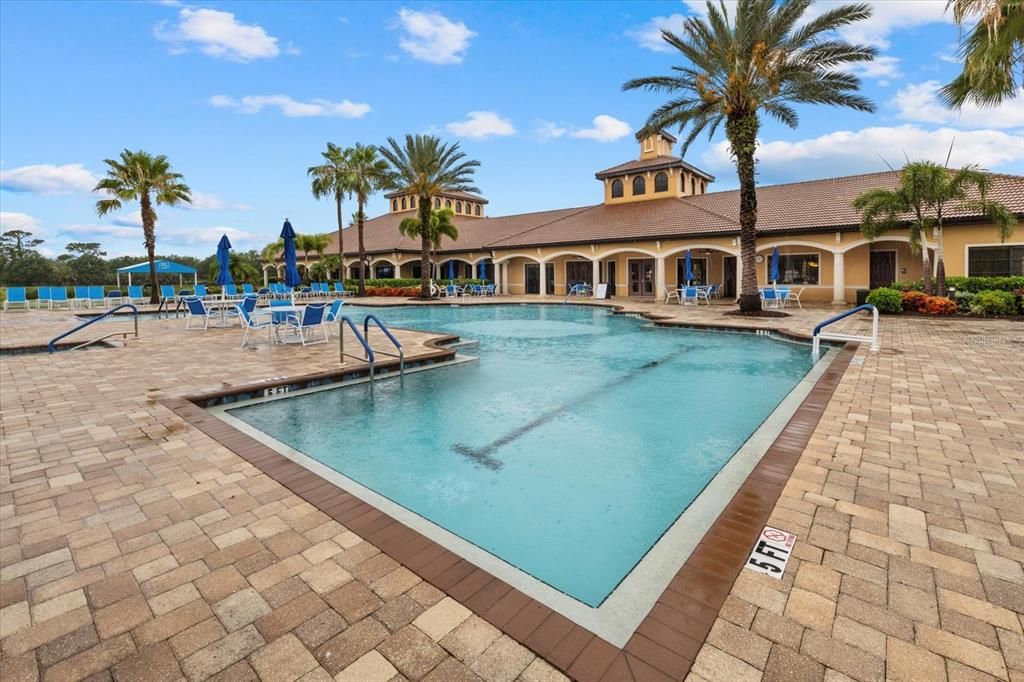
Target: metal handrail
370,357
818,335
52,346
391,337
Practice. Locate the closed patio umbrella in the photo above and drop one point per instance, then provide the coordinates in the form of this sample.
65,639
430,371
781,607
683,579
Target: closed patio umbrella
483,269
291,272
688,274
451,269
774,274
223,265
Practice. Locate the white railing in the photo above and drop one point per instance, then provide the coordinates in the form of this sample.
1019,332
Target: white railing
819,335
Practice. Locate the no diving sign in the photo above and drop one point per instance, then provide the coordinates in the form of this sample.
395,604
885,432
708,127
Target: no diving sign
772,551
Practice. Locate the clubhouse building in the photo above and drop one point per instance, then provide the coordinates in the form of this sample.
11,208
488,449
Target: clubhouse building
658,207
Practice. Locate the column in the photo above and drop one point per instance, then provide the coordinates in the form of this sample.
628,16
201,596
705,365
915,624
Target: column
597,274
543,279
476,270
838,278
659,278
506,285
498,282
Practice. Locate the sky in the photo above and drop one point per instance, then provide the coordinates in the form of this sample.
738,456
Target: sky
242,97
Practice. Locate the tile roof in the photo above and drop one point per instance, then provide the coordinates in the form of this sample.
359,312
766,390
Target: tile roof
454,195
650,164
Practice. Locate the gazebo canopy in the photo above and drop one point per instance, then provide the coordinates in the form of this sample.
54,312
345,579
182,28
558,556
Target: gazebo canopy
163,267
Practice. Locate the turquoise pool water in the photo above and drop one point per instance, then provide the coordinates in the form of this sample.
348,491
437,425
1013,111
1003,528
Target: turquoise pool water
567,450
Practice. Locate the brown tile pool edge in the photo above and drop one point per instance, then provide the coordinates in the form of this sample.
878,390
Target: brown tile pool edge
666,642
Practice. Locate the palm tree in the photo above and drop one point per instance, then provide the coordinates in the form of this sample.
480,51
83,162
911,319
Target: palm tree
140,176
333,179
369,173
241,269
993,52
882,209
439,225
311,242
765,59
425,167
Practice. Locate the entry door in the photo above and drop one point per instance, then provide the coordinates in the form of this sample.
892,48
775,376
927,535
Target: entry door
641,277
532,277
611,277
883,268
550,274
729,277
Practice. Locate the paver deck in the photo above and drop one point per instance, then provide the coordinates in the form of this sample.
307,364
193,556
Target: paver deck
132,545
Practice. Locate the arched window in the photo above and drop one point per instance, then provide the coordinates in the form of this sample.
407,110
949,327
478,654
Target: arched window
476,209
693,185
437,203
412,201
403,203
447,203
616,189
703,186
394,204
458,207
661,182
639,185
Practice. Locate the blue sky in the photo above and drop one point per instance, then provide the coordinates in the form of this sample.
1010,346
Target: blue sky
242,97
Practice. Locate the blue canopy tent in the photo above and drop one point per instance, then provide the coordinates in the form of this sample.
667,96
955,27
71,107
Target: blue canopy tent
163,267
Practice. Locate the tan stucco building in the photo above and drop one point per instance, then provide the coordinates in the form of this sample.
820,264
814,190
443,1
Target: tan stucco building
658,207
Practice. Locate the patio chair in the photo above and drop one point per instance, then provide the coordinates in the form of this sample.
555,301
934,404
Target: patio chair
196,309
283,316
490,289
81,299
689,296
42,297
782,294
670,294
249,323
16,296
339,289
96,295
334,312
714,291
167,292
795,296
248,289
231,290
58,297
136,294
769,298
114,297
452,290
201,292
312,320
248,303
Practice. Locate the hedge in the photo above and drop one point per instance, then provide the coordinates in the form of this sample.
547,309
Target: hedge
994,303
971,284
888,301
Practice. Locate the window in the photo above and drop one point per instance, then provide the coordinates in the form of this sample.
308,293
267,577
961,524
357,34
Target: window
616,189
693,185
476,209
458,207
447,203
995,261
649,144
700,271
578,272
384,271
796,268
412,201
394,204
639,185
403,203
703,186
437,203
661,182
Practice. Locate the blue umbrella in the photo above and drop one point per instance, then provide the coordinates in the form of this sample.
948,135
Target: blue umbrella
224,261
483,269
688,275
451,269
774,274
291,273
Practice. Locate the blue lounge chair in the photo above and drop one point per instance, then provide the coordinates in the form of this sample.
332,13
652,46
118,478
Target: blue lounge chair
230,290
136,294
312,320
167,292
42,297
16,296
114,297
59,296
248,289
196,309
96,295
339,289
201,291
250,323
81,296
265,292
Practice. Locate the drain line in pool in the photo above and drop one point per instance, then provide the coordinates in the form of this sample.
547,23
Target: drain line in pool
484,455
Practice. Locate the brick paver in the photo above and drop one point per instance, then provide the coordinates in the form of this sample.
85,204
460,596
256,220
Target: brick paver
132,544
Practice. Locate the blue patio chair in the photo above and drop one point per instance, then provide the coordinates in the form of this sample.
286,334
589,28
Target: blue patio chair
283,316
81,296
201,291
306,327
715,291
16,296
782,293
769,298
248,289
231,290
249,323
114,297
59,296
334,311
265,292
248,303
136,294
689,296
325,289
42,297
167,292
339,289
96,295
196,309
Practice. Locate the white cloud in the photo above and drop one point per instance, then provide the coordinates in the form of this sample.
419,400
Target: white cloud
547,130
880,67
170,235
48,179
19,221
919,102
480,125
292,108
128,219
203,201
432,37
218,34
849,152
605,129
648,36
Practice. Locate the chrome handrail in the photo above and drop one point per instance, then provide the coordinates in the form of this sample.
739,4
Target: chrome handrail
391,337
370,357
52,345
818,334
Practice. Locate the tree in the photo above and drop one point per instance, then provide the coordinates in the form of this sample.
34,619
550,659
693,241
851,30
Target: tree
764,60
85,263
332,179
20,263
241,268
993,52
139,176
368,173
15,242
425,167
440,225
311,242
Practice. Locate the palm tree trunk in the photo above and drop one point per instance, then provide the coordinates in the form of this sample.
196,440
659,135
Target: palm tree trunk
424,208
149,235
341,240
926,269
742,133
940,265
362,248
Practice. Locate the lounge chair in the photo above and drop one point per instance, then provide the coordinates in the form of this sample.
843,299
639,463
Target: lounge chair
339,289
248,289
42,297
114,297
325,289
249,323
59,296
201,292
231,290
196,309
136,294
81,299
795,296
167,292
670,294
96,296
16,296
312,320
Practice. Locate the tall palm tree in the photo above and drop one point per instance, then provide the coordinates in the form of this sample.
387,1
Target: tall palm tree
333,179
369,173
241,269
763,60
142,177
425,167
439,226
993,52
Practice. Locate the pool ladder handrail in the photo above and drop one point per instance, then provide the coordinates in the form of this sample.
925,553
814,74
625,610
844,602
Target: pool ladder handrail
52,345
370,355
391,337
818,335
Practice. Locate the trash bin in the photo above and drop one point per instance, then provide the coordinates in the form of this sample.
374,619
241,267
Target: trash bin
862,296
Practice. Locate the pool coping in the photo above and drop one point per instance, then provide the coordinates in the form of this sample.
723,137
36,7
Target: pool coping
668,638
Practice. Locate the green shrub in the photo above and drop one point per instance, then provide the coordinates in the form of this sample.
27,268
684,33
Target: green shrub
994,303
888,301
353,284
968,284
908,285
964,299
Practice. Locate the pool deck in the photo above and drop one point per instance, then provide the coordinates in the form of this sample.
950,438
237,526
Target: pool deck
133,544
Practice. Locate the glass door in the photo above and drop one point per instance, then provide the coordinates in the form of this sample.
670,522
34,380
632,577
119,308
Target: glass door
641,277
532,278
